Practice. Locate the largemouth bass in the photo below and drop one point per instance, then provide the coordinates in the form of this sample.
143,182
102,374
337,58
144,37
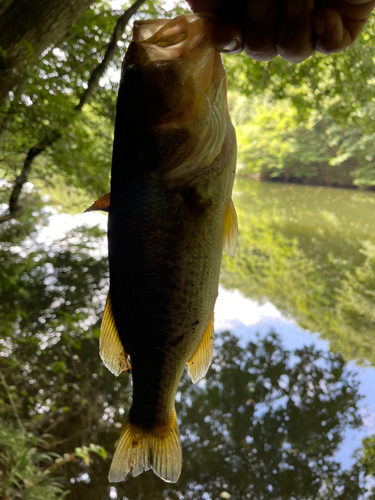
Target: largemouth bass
170,215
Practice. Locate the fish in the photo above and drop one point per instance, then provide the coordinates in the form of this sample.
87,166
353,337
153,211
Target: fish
170,216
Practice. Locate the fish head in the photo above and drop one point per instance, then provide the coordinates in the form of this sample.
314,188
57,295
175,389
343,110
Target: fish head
176,95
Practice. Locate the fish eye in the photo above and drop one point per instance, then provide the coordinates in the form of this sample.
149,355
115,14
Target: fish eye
133,75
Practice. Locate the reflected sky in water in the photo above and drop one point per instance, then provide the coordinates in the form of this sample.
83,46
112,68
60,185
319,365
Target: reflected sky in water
247,320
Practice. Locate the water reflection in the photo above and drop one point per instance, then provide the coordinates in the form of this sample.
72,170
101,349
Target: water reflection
267,421
316,264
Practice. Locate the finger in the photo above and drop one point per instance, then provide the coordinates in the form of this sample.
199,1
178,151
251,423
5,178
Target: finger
351,9
336,28
354,14
259,28
331,34
294,38
227,38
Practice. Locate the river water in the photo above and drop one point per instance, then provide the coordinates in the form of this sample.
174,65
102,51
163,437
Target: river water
289,397
304,270
287,409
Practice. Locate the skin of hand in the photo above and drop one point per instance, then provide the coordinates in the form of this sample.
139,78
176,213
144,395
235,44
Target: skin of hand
293,29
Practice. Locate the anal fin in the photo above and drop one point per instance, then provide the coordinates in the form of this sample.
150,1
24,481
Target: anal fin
138,450
102,203
230,229
200,361
111,349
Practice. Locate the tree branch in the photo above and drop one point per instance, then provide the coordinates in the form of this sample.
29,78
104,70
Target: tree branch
15,210
12,404
110,52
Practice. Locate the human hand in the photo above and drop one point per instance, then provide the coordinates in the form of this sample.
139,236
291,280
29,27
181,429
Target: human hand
293,29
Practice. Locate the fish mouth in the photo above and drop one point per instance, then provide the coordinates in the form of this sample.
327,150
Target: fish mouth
186,38
169,39
175,51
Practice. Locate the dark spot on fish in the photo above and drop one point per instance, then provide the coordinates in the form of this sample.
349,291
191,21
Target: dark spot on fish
195,201
195,323
173,343
134,443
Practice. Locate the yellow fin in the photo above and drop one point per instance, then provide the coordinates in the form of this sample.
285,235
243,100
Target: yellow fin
111,350
138,450
201,359
100,204
230,229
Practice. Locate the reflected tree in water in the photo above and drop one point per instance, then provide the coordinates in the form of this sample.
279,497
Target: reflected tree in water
267,421
264,424
315,271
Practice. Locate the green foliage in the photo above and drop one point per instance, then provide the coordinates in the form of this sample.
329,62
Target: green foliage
44,107
368,455
257,418
313,120
84,452
339,84
274,142
355,301
23,469
51,300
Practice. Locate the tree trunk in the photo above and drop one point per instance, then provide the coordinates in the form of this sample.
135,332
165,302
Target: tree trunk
15,210
26,29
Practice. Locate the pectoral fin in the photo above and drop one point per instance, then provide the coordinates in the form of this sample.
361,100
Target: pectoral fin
100,204
201,359
230,229
111,350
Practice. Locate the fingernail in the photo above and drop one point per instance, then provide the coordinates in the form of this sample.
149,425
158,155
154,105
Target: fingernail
319,26
232,47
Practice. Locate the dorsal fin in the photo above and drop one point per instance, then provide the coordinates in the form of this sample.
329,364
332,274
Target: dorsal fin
102,203
230,229
111,349
200,362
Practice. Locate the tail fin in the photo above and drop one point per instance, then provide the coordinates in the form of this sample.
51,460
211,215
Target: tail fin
138,450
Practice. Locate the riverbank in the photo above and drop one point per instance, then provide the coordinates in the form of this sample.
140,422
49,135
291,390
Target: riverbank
321,175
